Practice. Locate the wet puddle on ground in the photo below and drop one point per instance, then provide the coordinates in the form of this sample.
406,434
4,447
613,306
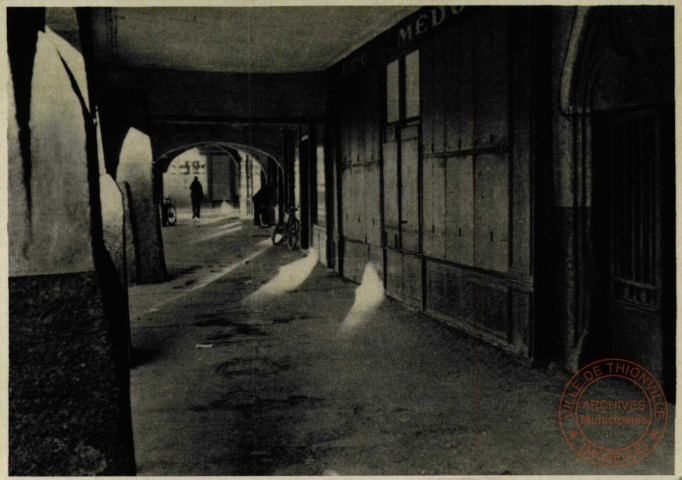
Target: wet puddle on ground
259,366
247,400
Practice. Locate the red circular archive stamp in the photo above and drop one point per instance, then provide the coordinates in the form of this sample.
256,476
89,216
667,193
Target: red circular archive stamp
613,413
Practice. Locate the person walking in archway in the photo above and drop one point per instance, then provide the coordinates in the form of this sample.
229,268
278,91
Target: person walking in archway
197,194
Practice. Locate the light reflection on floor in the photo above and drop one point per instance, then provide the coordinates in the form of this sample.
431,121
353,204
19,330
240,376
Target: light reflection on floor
368,297
289,278
227,229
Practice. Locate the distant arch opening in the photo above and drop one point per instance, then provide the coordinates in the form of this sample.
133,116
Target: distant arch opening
230,174
260,155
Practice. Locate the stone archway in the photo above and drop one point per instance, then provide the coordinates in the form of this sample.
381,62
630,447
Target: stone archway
254,168
170,138
167,157
616,100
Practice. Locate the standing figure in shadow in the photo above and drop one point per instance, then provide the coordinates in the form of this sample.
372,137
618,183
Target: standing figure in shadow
197,194
261,203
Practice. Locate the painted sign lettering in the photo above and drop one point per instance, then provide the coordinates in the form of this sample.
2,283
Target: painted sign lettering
418,25
425,22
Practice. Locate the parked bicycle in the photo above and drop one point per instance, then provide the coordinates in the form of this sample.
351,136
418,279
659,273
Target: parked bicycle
168,213
288,228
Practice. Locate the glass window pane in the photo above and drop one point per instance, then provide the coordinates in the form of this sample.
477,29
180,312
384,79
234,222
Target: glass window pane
412,84
392,92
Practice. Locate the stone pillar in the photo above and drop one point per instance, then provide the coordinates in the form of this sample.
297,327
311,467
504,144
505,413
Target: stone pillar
573,265
69,400
114,226
135,168
244,191
563,327
131,263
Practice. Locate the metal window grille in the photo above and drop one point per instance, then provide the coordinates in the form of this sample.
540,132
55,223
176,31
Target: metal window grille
634,215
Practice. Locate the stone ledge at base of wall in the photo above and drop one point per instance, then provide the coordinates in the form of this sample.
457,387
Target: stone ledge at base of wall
69,400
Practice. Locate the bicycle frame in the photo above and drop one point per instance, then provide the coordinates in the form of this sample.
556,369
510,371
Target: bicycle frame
287,228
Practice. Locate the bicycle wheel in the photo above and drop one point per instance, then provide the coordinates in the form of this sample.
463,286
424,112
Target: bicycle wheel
278,234
292,234
171,216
